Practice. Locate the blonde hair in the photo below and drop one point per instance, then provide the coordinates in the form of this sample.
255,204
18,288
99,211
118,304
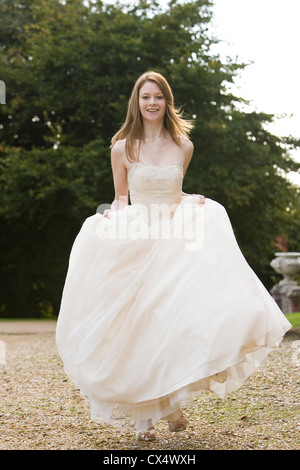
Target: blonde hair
132,129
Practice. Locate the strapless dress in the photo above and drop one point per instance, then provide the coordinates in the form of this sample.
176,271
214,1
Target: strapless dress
159,303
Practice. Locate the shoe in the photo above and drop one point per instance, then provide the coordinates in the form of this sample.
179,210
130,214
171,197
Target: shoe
179,425
147,436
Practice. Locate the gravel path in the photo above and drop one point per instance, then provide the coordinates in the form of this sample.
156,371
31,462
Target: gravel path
42,410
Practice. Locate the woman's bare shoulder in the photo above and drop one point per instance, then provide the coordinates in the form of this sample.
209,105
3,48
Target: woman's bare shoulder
119,147
188,150
187,145
118,154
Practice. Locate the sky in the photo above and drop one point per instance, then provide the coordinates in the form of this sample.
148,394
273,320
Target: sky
266,34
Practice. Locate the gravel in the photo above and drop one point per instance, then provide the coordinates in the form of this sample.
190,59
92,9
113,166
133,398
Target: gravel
41,409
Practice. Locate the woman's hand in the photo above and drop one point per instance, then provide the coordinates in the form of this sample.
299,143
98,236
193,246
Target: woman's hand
118,204
106,213
201,198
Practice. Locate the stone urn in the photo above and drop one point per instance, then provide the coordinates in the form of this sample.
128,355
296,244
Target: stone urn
287,291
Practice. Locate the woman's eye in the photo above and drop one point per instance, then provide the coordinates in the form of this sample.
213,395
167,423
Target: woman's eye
157,97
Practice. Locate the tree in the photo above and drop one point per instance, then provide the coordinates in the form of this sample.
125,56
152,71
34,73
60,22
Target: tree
46,196
69,67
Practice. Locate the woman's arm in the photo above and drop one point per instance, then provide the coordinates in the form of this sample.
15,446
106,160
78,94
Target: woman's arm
119,178
188,148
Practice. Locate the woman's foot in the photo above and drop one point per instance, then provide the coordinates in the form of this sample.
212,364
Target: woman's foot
146,435
148,432
178,425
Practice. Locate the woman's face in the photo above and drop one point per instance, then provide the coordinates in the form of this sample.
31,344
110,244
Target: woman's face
152,102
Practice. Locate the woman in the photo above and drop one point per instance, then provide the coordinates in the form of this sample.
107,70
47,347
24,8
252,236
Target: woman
159,304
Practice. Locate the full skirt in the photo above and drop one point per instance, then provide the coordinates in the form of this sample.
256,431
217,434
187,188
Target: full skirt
147,322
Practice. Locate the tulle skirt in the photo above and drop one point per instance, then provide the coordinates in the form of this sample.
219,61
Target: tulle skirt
148,321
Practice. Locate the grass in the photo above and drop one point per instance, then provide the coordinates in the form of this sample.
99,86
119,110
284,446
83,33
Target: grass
294,319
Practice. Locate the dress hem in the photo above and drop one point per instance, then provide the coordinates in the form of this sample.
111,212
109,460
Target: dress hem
225,380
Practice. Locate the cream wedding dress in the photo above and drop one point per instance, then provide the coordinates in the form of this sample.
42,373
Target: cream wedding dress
159,303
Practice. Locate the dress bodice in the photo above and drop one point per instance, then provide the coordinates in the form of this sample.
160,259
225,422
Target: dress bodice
152,184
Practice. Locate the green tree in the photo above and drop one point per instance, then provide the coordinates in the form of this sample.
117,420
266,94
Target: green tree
69,67
46,196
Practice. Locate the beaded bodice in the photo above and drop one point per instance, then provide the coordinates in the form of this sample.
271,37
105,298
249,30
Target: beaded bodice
152,184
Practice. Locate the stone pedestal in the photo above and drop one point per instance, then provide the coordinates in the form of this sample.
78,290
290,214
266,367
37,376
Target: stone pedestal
287,292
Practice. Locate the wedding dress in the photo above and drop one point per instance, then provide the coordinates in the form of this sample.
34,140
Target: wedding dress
159,303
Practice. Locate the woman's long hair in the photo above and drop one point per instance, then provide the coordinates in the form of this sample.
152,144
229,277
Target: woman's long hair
132,129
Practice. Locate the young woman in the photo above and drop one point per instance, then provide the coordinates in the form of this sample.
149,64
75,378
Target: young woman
159,303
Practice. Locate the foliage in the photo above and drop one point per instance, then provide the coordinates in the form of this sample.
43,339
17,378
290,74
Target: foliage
46,196
69,67
294,319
